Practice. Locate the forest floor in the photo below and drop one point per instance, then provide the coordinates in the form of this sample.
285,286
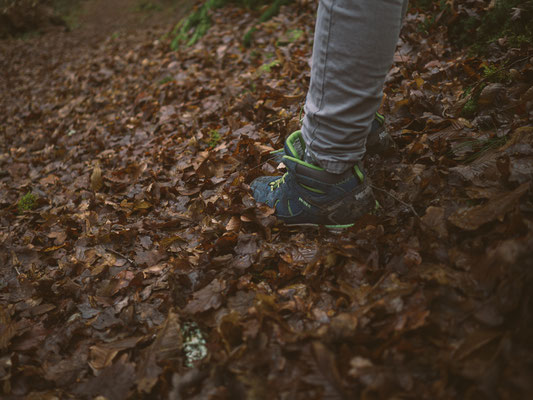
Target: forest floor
134,262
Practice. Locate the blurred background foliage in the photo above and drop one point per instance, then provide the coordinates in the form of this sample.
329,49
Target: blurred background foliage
481,25
477,26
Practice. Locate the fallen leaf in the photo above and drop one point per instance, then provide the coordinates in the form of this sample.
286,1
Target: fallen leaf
113,382
434,220
472,218
96,178
102,355
210,297
166,346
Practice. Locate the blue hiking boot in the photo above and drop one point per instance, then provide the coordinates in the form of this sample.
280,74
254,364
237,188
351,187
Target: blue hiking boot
378,141
308,195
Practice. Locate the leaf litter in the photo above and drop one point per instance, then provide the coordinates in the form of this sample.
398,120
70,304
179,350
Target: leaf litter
144,269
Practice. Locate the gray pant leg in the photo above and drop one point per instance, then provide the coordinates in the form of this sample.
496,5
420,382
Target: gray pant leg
352,53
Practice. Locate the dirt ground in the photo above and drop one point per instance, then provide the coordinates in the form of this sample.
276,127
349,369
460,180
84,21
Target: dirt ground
100,18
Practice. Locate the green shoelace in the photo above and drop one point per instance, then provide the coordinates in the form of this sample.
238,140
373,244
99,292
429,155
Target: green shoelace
278,182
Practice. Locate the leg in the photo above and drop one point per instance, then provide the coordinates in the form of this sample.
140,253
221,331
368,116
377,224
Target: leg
353,50
352,53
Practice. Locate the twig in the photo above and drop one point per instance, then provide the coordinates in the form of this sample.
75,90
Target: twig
263,163
397,199
122,256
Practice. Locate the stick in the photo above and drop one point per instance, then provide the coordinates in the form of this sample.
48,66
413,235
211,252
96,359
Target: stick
122,256
397,199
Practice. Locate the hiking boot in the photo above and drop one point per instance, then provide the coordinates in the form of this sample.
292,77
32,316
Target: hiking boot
308,195
378,141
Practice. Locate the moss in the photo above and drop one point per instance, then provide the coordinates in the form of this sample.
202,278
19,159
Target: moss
214,138
519,40
271,11
495,74
191,28
27,202
471,106
291,36
469,109
166,79
268,66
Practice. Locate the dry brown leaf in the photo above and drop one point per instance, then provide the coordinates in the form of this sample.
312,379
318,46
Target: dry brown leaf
96,178
210,297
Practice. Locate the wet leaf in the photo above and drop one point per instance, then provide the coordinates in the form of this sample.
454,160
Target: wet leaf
434,220
496,208
166,346
113,382
210,297
102,355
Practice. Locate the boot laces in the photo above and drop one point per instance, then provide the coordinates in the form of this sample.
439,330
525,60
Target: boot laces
278,182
